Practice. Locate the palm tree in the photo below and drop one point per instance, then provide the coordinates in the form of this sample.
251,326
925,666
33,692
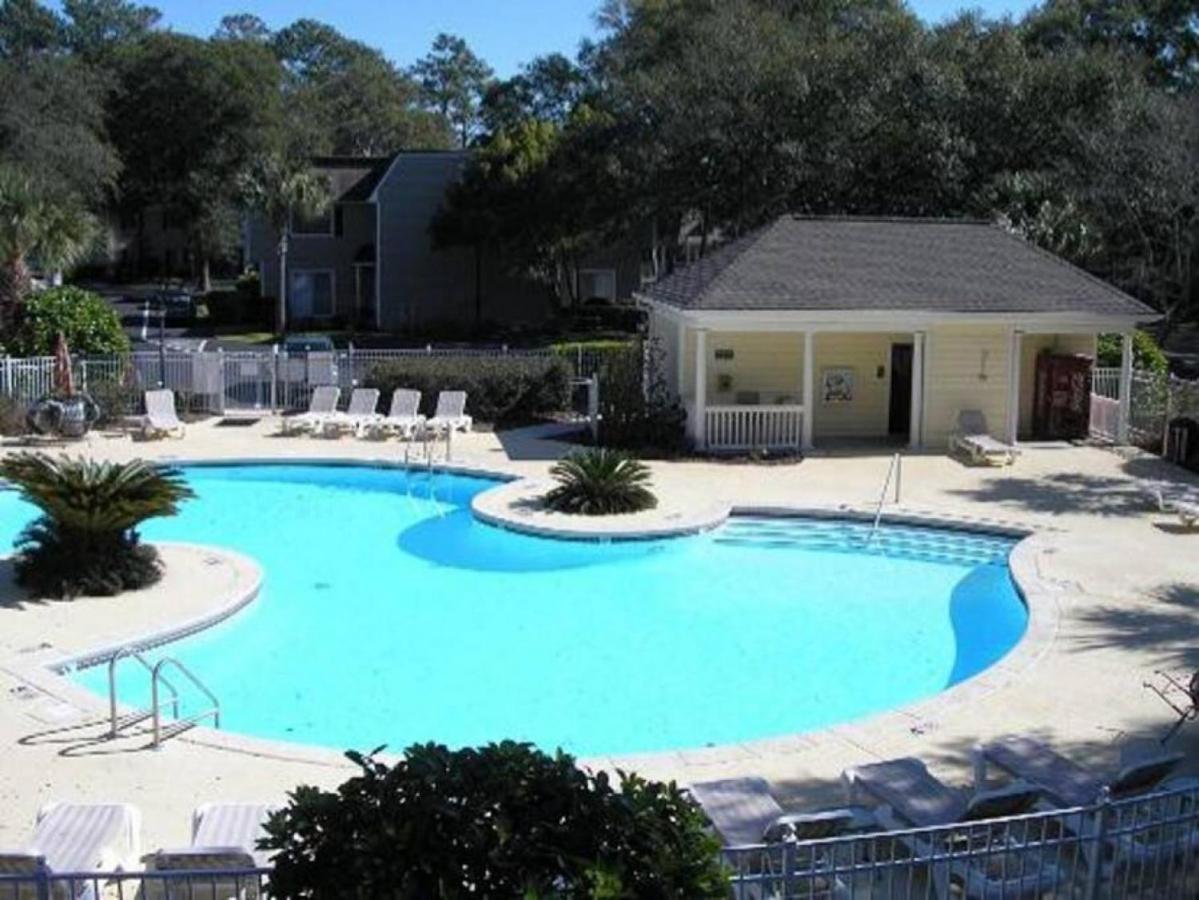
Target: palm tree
33,224
86,540
600,482
279,187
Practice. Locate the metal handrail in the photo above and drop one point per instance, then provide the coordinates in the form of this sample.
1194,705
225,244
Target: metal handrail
894,470
131,653
156,676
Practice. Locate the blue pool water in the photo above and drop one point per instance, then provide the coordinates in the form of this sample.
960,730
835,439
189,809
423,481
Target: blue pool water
390,616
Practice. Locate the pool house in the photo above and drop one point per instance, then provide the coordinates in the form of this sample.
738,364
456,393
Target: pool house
817,332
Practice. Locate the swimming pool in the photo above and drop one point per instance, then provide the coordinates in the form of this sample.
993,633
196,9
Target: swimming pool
389,615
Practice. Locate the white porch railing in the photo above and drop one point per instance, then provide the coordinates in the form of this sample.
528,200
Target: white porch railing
753,427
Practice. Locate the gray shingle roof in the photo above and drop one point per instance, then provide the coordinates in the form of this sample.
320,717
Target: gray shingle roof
913,265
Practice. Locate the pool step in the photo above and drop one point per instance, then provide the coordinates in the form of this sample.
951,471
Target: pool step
899,541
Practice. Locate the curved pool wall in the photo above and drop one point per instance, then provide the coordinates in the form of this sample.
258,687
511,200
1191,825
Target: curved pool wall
391,615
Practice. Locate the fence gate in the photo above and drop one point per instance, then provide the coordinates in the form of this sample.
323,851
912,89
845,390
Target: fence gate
248,381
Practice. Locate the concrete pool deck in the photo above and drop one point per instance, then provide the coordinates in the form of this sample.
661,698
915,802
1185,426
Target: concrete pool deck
1123,580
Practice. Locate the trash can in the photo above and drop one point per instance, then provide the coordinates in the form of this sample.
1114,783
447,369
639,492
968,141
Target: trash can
1182,442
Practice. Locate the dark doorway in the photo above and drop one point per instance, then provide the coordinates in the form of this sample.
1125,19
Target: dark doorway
899,422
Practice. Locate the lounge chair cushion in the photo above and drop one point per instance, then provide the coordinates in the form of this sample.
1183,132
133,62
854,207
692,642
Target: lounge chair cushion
85,837
1065,780
232,825
911,791
740,809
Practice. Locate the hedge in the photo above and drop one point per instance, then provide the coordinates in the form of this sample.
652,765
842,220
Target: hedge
501,390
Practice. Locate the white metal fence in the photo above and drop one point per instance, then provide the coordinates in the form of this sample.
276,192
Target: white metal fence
1146,847
261,379
1156,400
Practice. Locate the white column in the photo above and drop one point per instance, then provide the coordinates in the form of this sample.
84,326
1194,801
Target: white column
698,429
1015,351
1122,429
916,428
809,388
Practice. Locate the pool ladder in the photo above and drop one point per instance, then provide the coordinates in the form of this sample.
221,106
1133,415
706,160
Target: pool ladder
894,472
162,731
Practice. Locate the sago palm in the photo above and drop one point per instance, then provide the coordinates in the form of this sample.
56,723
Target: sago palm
86,540
600,482
33,224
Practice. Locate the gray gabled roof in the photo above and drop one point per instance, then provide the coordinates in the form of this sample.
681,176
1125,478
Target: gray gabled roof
908,265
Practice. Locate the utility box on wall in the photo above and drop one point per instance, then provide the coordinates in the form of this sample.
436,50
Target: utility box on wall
1062,398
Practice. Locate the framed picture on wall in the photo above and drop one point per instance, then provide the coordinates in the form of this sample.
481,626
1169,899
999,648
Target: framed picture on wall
836,385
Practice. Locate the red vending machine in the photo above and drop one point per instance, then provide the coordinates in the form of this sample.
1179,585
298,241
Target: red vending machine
1062,397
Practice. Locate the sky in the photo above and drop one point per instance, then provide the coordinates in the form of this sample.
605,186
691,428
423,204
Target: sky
506,33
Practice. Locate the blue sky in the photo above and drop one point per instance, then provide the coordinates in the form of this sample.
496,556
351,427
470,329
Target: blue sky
504,32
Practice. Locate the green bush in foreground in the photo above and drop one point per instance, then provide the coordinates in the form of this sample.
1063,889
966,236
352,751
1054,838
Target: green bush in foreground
600,482
1147,355
501,390
89,324
504,820
85,542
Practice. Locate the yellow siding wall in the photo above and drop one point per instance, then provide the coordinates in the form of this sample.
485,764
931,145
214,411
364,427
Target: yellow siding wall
1032,345
766,362
967,368
866,415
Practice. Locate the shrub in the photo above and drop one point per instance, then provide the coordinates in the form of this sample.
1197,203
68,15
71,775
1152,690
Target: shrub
502,390
12,416
637,409
1146,354
504,820
116,398
600,482
226,307
90,325
86,541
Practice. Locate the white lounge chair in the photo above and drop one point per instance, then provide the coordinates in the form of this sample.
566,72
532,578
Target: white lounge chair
160,419
1065,781
973,439
224,837
1181,500
450,414
358,415
745,814
403,418
1068,785
321,405
76,838
910,797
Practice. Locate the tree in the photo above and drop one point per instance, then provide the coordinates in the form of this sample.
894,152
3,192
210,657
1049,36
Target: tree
95,29
27,28
277,187
504,820
189,117
348,99
86,540
87,321
242,27
548,89
34,225
453,81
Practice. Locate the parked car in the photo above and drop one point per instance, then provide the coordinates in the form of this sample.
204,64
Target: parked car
176,306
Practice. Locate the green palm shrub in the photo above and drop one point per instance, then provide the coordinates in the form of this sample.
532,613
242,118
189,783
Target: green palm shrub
86,540
600,482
